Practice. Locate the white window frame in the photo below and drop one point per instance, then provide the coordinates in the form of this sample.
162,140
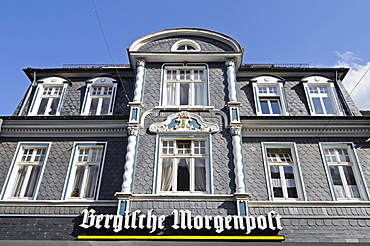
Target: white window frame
48,89
173,78
100,89
75,162
328,85
176,156
353,163
18,163
281,164
185,42
274,90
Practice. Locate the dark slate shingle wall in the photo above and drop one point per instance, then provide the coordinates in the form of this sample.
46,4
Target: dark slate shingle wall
165,44
7,151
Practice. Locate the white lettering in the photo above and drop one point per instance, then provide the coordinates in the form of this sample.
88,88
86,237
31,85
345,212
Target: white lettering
238,222
161,220
198,222
207,220
88,217
185,218
181,219
227,222
108,217
175,219
261,222
117,222
250,223
278,222
151,222
141,221
98,219
218,223
127,220
269,218
133,219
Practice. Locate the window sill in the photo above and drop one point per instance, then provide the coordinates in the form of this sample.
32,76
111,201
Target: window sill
185,107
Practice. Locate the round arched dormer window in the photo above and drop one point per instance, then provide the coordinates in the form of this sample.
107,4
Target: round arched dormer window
185,45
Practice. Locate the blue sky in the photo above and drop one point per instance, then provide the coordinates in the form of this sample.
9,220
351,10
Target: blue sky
47,34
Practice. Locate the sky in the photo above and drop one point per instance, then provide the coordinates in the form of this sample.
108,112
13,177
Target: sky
48,34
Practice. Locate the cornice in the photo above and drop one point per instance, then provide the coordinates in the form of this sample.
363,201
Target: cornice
64,128
288,127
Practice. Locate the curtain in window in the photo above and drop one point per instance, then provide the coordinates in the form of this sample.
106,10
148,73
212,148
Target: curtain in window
91,181
199,94
19,181
80,171
32,181
171,94
167,174
200,175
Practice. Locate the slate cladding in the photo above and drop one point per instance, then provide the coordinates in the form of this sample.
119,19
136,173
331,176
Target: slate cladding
131,165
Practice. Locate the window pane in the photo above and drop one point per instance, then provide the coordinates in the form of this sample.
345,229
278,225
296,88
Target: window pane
171,93
77,185
105,106
167,174
184,94
265,107
198,94
275,107
91,181
183,175
343,155
183,146
19,181
54,106
200,174
290,182
276,181
317,106
94,106
351,182
32,181
328,105
42,107
337,181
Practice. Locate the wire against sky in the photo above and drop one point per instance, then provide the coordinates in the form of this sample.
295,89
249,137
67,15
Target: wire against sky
110,53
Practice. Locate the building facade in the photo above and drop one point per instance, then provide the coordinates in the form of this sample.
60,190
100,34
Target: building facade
186,141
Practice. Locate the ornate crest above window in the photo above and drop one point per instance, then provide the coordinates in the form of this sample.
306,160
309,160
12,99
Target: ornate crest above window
183,122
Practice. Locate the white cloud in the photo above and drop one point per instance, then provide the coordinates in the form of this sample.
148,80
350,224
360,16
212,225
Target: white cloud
360,94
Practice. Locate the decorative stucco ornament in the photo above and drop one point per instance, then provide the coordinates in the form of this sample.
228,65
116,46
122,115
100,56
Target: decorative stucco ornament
183,122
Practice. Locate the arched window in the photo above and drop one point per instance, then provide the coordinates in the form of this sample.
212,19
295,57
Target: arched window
99,96
321,96
269,95
49,96
185,45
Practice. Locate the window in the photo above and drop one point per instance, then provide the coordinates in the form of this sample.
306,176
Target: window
185,45
321,95
84,171
269,96
185,86
343,171
48,96
283,172
99,97
183,166
26,171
